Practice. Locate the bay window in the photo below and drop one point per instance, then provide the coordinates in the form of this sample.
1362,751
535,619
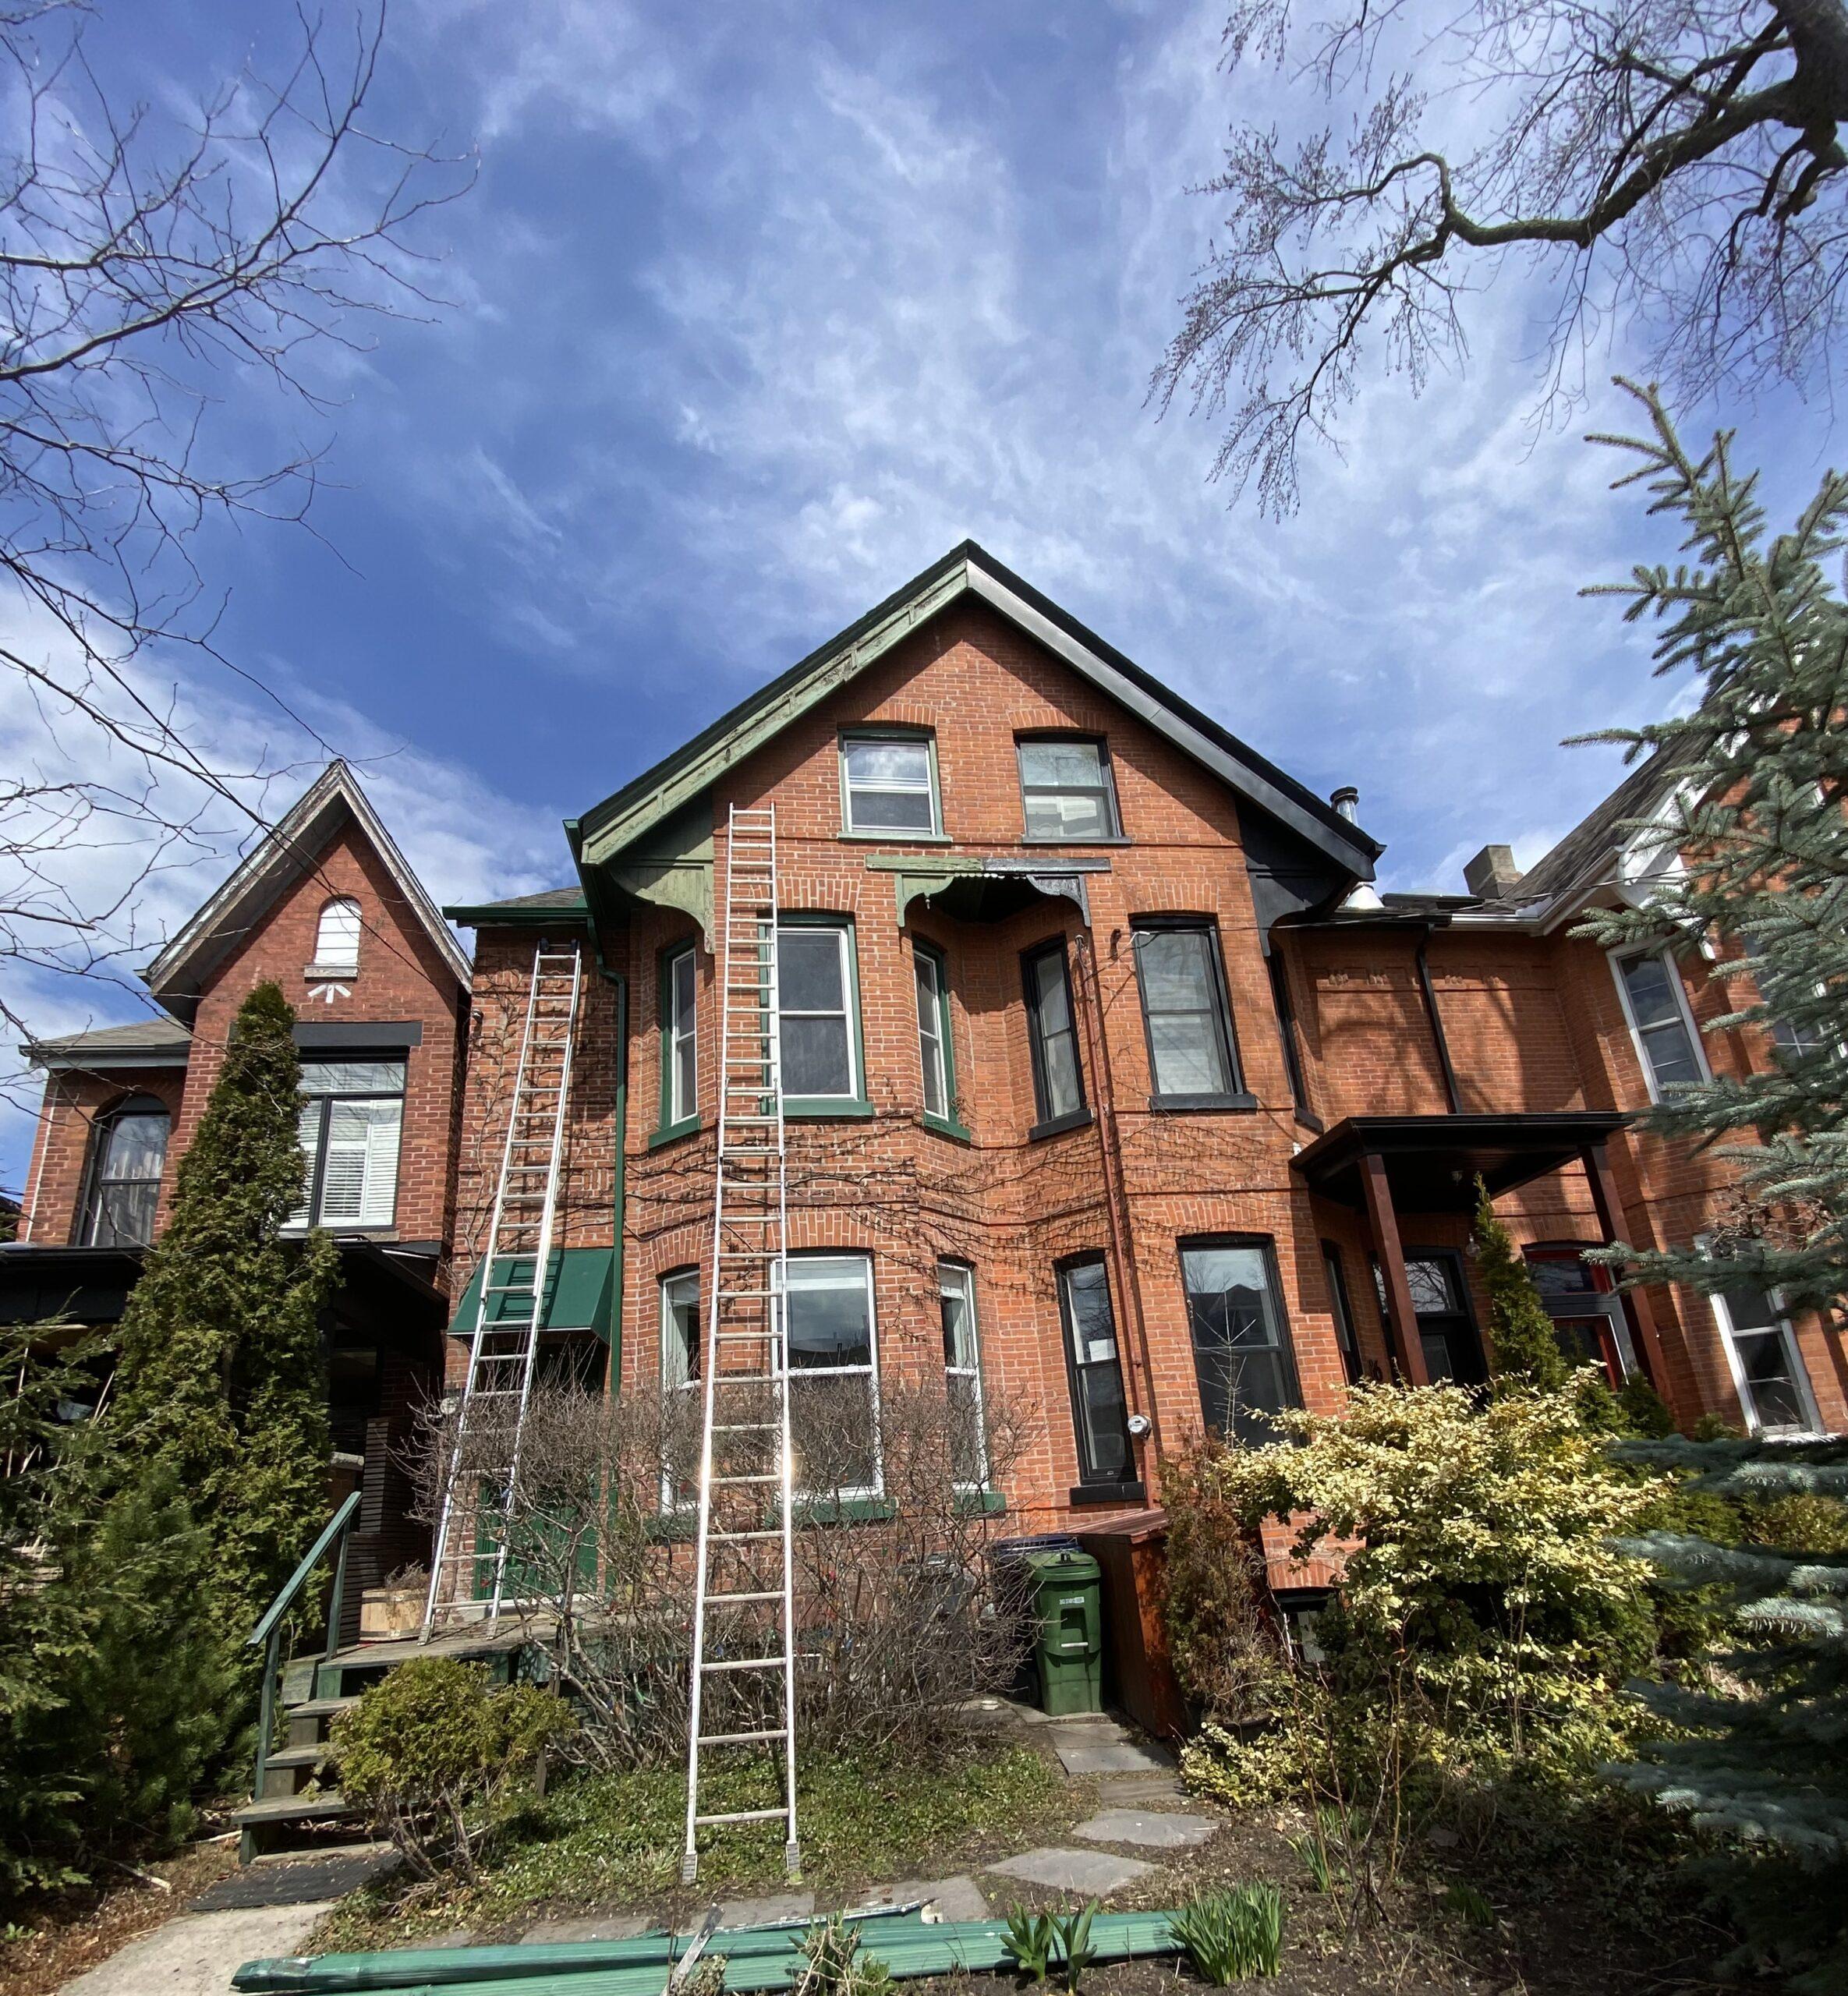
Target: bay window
818,1026
962,1375
833,1376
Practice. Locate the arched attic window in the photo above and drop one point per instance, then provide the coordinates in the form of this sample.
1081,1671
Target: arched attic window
128,1151
337,940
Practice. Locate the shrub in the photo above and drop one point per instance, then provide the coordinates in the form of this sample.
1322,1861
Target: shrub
434,1753
832,1964
1232,1935
1524,1349
900,1615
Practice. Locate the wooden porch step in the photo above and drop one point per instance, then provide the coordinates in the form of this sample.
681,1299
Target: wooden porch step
318,1708
293,1809
300,1756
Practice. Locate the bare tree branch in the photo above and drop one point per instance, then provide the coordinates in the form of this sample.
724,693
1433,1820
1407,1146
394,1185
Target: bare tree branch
148,264
1677,163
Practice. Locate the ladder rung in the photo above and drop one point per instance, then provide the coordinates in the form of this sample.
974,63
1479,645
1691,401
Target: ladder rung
772,1476
738,1740
748,1663
732,1537
745,1816
746,1426
731,1600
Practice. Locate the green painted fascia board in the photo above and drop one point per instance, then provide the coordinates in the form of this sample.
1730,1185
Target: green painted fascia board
578,1295
488,916
604,831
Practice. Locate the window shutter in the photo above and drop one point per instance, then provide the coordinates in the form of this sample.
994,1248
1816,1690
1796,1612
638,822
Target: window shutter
359,1185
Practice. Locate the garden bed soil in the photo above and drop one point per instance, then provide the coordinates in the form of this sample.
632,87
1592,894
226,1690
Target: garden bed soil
77,1929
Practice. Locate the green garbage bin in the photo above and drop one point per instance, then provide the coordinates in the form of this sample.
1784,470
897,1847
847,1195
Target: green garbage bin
1068,1650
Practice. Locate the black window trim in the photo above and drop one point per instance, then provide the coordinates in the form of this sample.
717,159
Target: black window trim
1239,1097
1102,743
317,1168
102,1129
1266,1245
1069,1119
1341,1307
1285,1007
1095,1486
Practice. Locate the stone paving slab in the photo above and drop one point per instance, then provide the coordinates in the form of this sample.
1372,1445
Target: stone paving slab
595,1927
954,1899
1118,1757
1090,1871
196,1953
761,1912
1153,1830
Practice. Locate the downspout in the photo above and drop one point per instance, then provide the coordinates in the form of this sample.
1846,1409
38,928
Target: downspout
1116,1194
619,1173
1421,957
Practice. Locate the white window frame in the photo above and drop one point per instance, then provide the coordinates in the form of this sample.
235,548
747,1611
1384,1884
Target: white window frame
346,964
1799,1373
1617,959
679,1110
842,933
870,1371
890,738
959,1278
678,1278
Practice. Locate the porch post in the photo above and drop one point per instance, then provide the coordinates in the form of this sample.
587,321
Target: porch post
1610,1210
1385,1224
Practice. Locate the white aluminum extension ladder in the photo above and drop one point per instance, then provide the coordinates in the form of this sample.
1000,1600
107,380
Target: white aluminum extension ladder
510,1307
743,1681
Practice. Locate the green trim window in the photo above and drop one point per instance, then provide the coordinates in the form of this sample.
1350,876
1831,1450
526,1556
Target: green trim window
936,1053
1068,796
1100,1413
962,1375
1193,1060
833,1376
823,1063
1052,1037
681,1345
679,1040
1242,1358
888,785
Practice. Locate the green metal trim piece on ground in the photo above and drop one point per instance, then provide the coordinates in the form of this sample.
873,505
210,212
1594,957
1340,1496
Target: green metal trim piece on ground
756,1958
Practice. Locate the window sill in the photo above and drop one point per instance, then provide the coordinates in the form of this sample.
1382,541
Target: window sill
1188,1104
1310,1121
891,837
331,973
946,1125
672,1132
1044,845
980,1504
813,1108
338,1232
845,1510
1134,1492
1056,1126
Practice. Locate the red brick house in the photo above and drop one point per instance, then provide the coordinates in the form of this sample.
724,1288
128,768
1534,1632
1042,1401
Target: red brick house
1111,1082
328,907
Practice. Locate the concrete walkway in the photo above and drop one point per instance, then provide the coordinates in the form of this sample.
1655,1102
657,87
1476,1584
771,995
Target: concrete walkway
195,1953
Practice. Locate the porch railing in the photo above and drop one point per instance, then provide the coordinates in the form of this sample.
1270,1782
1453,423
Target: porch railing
267,1634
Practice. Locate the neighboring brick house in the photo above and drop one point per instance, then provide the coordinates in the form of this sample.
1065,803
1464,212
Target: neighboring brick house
326,907
1112,1081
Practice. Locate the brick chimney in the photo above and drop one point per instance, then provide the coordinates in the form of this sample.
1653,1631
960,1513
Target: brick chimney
1492,875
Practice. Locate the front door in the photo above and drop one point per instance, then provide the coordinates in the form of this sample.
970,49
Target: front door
1447,1332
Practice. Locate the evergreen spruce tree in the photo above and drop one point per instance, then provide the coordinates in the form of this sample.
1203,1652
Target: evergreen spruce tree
222,1379
1760,822
1524,1348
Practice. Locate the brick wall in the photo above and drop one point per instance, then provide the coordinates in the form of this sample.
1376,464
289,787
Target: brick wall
58,1175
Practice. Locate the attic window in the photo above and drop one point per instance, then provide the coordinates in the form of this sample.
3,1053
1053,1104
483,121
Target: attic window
337,940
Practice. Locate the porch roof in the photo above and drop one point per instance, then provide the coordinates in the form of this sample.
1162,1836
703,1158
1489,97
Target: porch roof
1432,1162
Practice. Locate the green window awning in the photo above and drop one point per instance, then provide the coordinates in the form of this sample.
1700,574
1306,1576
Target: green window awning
577,1293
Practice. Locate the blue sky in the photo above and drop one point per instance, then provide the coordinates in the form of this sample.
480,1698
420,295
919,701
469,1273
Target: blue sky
758,309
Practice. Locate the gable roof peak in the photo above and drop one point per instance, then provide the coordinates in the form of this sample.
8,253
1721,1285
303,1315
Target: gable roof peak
284,854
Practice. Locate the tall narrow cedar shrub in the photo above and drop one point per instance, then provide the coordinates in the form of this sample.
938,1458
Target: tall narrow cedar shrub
1524,1348
223,1377
1758,833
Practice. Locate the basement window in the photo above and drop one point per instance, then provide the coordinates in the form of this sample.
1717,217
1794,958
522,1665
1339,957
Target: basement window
352,1118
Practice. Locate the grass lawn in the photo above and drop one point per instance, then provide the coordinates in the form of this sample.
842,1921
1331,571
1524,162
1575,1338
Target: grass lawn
613,1841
